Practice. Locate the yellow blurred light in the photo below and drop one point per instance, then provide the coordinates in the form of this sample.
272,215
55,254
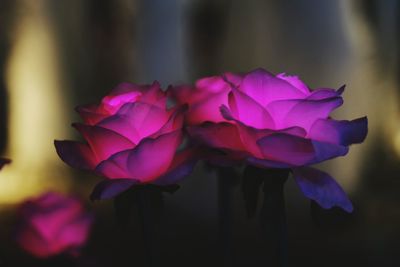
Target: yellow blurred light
35,109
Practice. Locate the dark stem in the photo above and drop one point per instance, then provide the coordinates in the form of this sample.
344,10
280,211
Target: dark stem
146,226
149,204
141,207
273,217
225,183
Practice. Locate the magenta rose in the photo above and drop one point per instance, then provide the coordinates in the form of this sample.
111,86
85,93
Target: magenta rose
274,122
131,138
51,225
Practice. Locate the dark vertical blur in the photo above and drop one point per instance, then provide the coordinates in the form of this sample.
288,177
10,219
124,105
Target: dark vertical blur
208,24
6,17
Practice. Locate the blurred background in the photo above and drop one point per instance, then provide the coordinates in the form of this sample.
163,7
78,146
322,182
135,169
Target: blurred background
55,55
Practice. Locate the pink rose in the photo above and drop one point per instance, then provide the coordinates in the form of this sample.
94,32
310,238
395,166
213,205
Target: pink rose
131,138
52,224
274,122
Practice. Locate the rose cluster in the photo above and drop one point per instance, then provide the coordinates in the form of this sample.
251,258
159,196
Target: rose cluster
269,121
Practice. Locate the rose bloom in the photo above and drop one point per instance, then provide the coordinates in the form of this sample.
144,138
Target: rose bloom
273,121
52,224
131,138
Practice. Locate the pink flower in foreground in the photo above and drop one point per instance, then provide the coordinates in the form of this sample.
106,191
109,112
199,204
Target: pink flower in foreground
274,122
52,224
131,138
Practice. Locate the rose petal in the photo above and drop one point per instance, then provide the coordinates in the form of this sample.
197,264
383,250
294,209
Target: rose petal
154,95
339,132
218,135
294,81
107,189
250,135
31,240
181,166
75,154
323,93
110,104
124,88
150,94
115,166
325,151
103,142
89,114
50,221
187,94
288,149
74,234
322,188
152,157
248,111
216,84
174,122
264,87
136,121
302,112
148,160
208,109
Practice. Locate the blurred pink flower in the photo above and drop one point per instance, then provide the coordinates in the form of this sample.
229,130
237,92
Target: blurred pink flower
52,224
274,122
131,138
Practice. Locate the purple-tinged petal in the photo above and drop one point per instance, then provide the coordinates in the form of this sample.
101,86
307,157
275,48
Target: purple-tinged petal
325,151
174,122
89,114
154,95
136,121
121,124
217,135
73,235
302,112
339,132
250,135
181,166
124,88
264,163
288,149
248,111
103,142
323,93
322,188
115,166
233,79
151,94
111,188
152,157
294,81
177,174
187,94
147,161
207,109
216,84
75,154
112,103
264,87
